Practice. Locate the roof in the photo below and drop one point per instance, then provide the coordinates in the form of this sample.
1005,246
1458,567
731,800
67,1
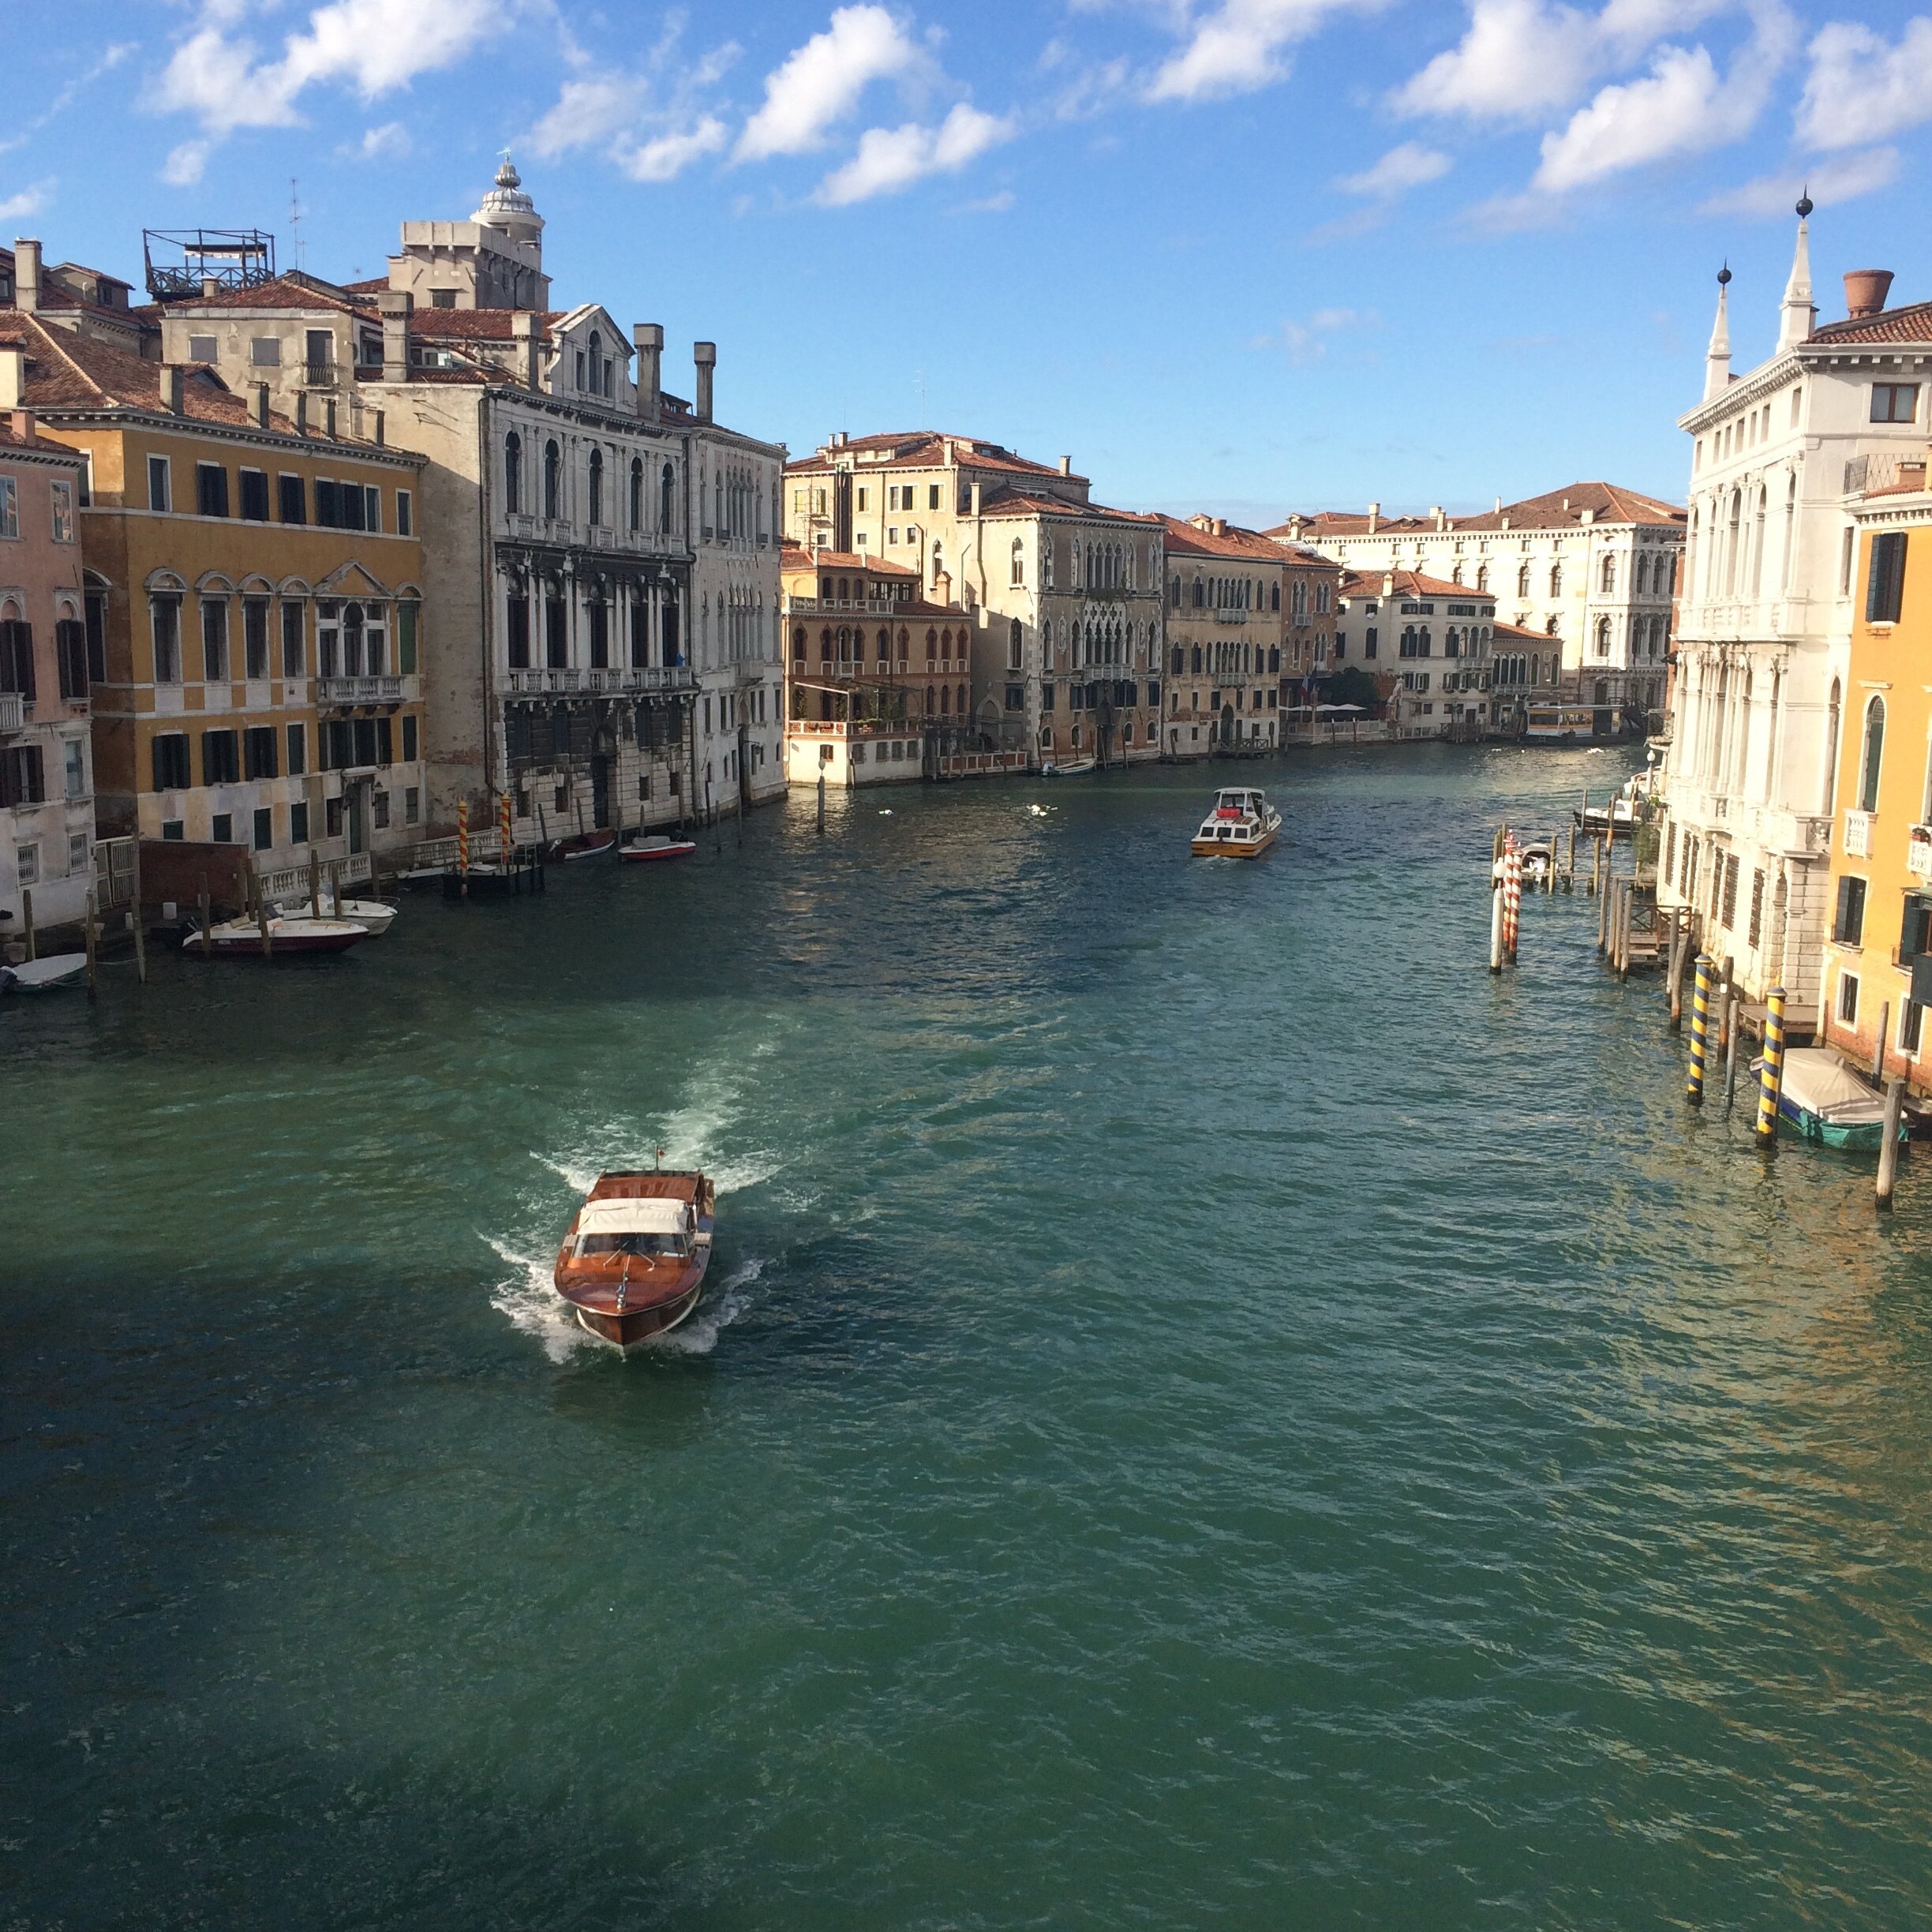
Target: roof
293,290
1608,503
1189,539
1506,633
1911,323
1023,502
634,1216
925,449
795,556
484,324
1404,584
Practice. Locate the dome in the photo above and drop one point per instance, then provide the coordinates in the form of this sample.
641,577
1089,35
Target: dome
507,206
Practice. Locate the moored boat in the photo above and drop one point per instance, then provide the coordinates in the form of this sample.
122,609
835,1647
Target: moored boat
584,845
1243,824
656,845
242,938
1826,1102
43,975
376,916
1069,768
632,1265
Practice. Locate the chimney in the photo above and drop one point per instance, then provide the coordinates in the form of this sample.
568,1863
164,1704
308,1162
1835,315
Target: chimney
1435,516
301,412
258,404
648,340
975,500
1066,465
705,355
1865,290
1220,527
23,426
523,335
396,306
1388,583
27,276
171,389
375,417
328,417
1498,511
13,375
1375,517
210,288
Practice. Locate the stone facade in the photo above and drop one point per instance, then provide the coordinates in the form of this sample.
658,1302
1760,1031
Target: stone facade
1228,617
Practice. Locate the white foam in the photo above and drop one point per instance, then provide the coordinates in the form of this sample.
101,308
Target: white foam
529,1298
698,1334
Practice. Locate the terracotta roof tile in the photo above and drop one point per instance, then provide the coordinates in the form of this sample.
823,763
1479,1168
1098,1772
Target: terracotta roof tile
1557,509
925,449
1185,538
1022,504
1408,583
286,291
1910,323
795,556
480,324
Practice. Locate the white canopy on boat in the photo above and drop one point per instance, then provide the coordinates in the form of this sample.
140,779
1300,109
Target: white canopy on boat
633,1217
1817,1081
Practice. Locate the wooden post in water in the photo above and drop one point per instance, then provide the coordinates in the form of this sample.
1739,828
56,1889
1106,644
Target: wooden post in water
89,931
1884,1025
822,801
1730,1037
1700,1023
261,922
315,884
1569,875
463,852
1496,925
1771,1081
1889,1147
208,923
27,917
140,924
1600,885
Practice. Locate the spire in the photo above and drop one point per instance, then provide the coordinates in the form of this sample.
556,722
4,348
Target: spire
1717,358
1798,316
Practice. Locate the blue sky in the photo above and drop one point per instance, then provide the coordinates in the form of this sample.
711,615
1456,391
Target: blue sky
1244,255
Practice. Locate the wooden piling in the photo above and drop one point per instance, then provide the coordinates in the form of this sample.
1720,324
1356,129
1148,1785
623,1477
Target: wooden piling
27,920
1700,1023
261,916
1730,1040
1889,1147
135,918
822,801
208,924
1495,926
1570,875
1885,1027
1771,1079
92,981
1600,886
315,883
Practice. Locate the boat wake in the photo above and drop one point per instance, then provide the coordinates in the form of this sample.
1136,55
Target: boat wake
698,1334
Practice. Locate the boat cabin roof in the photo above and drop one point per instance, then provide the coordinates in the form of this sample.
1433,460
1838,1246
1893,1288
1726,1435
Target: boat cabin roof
1240,797
633,1217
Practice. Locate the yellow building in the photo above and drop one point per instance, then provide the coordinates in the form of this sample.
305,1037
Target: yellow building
1880,936
253,581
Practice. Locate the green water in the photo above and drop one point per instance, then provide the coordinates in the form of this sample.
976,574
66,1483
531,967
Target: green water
1210,1411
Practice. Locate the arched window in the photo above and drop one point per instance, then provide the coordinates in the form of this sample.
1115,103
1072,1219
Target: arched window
1603,637
1874,755
797,644
553,471
1555,580
666,484
1731,551
1455,573
1522,581
1197,661
1606,575
1275,596
932,644
596,483
1200,595
1015,646
1019,561
885,645
637,494
513,473
825,645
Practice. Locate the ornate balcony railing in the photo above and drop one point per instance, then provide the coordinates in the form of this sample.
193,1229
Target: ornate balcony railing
576,682
1858,834
348,690
13,712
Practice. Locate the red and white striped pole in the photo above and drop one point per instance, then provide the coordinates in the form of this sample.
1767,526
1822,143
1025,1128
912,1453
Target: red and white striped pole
1512,894
463,843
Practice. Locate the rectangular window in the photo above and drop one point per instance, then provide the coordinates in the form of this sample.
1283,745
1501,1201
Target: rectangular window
297,750
1046,697
79,857
27,864
174,829
211,490
298,819
294,655
214,640
63,513
171,761
221,759
1848,923
160,490
1369,642
1884,583
1911,1026
260,749
932,497
255,635
372,509
363,740
408,738
379,811
164,613
1847,998
517,632
265,351
97,636
265,827
1894,402
1728,918
556,633
221,828
412,804
255,496
73,768
203,348
70,651
9,507
405,639
406,514
292,499
328,515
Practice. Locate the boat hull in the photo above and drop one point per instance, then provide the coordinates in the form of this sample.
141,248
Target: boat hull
594,846
1234,848
640,855
635,1326
1855,1137
305,936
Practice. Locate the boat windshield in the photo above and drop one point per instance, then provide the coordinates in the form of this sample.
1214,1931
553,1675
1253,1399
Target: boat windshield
643,1245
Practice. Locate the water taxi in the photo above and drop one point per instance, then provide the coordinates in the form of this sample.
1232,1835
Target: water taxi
1549,723
1243,824
632,1264
646,847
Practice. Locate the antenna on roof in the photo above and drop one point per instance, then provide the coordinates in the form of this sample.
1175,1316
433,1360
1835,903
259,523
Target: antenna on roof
295,239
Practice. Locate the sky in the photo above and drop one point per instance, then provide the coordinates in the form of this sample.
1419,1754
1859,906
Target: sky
1242,256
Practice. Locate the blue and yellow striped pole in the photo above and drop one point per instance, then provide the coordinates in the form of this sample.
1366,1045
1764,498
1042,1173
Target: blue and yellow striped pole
1771,1082
1700,1026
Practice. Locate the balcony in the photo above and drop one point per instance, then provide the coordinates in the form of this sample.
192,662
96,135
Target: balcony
318,374
572,682
12,713
359,691
1858,834
1230,616
1918,852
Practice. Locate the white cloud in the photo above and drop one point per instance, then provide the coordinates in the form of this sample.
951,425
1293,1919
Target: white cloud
25,203
587,114
891,158
1828,184
1681,106
1239,47
1861,89
1523,58
1308,342
819,83
990,204
666,156
389,142
372,46
185,164
1410,166
114,54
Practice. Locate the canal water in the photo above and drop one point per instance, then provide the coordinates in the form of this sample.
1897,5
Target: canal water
1211,1410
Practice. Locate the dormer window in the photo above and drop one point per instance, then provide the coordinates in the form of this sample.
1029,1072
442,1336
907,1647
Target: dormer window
442,298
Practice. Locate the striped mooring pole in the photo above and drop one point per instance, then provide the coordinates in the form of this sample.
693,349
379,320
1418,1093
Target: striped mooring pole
1771,1082
1512,894
504,833
463,843
1700,1026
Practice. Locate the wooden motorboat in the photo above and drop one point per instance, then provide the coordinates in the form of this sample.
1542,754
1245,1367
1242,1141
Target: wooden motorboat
242,938
43,975
1243,824
375,915
1826,1102
633,1265
583,845
1069,768
656,845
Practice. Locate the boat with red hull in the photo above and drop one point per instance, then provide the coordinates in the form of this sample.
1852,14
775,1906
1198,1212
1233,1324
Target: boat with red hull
643,849
632,1264
242,938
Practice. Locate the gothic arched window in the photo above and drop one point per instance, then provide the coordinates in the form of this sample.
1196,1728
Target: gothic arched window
513,472
554,473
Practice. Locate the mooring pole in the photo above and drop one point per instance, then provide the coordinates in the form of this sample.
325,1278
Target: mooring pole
822,801
139,925
1700,1023
89,931
1496,925
1771,1081
1889,1148
207,934
1730,1037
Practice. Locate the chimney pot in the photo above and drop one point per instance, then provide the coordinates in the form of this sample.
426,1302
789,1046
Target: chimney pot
171,397
1066,465
27,276
13,375
210,288
301,412
527,338
23,425
396,306
647,338
705,355
1866,292
258,404
1375,517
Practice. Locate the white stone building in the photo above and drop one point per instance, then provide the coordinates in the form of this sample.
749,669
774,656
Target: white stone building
1593,567
1780,458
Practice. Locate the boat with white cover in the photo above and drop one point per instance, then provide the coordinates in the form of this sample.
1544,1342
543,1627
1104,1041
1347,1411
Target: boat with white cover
43,975
1826,1102
1243,824
242,938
